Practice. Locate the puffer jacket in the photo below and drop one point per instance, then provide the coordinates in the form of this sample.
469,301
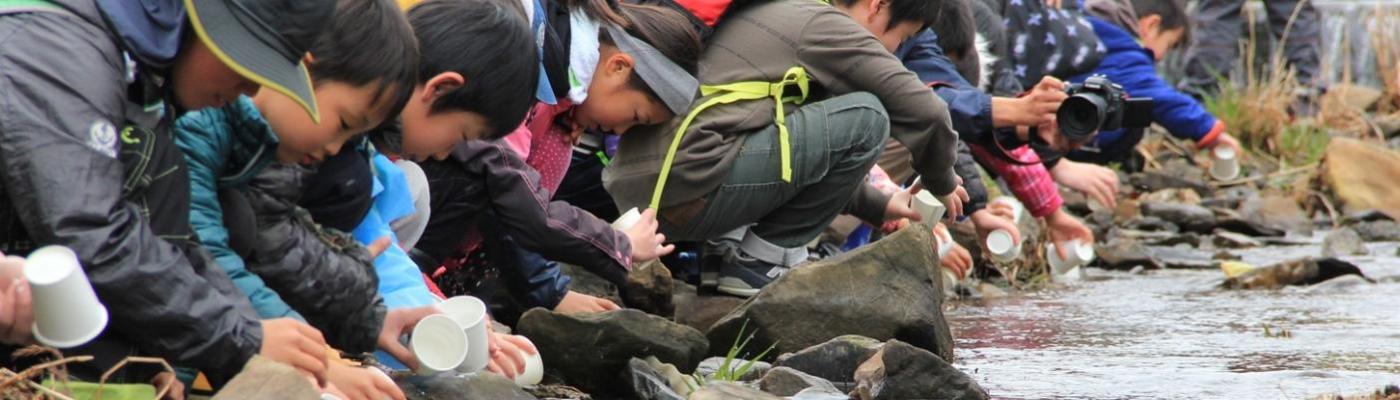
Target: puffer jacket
68,89
289,265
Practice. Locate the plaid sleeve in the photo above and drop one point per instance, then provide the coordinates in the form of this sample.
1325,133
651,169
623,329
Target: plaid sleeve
1029,181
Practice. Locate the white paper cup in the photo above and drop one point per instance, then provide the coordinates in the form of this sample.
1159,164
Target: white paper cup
534,370
1016,207
929,207
1079,255
1002,246
439,343
66,311
1226,165
627,220
470,314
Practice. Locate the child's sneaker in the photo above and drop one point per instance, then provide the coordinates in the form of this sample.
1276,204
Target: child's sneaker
713,257
744,276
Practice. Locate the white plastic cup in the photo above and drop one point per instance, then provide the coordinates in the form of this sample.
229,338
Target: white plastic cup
439,343
1079,254
1002,246
627,220
1016,207
534,370
1226,165
470,315
929,207
66,311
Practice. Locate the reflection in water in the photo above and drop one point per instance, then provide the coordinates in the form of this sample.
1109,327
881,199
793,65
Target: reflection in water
1171,335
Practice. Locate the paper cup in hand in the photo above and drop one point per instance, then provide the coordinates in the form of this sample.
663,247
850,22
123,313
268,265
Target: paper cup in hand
1079,254
1226,165
66,311
470,315
439,343
627,220
1015,205
534,370
929,207
1002,246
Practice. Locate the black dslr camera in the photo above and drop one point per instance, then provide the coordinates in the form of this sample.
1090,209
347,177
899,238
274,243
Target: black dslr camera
1100,105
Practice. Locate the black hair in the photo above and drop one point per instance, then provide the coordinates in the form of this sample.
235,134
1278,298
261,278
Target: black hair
923,12
957,36
665,29
487,41
368,42
1172,12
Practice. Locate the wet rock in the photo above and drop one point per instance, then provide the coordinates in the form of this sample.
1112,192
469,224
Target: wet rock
1363,176
730,391
650,288
1183,257
1232,240
1343,242
1378,231
482,385
1151,224
1176,174
822,300
1225,255
1074,200
1341,284
1233,221
1124,254
557,392
1139,236
836,360
701,311
1189,217
1294,272
263,378
712,365
648,383
902,371
1184,239
1273,212
1177,196
590,284
590,350
784,381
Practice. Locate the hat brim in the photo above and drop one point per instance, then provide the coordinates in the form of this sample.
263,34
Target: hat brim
230,41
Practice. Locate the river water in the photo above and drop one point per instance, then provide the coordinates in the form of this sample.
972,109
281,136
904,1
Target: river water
1169,334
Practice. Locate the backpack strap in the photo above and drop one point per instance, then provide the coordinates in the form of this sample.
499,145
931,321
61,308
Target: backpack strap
742,91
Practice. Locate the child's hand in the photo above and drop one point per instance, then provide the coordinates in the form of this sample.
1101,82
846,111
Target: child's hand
1099,183
988,220
177,388
1064,228
958,260
355,383
647,245
295,343
1039,105
378,247
397,322
508,354
579,303
901,207
16,303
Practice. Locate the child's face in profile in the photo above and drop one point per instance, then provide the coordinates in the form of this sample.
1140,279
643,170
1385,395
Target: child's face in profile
1159,40
346,111
201,80
875,16
428,134
614,105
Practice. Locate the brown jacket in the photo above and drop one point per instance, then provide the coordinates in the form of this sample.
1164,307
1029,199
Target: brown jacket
760,44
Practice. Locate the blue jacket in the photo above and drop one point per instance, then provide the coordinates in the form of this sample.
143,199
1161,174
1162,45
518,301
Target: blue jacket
1133,66
400,280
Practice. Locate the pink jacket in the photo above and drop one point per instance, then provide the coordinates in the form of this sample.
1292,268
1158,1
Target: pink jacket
1030,182
545,144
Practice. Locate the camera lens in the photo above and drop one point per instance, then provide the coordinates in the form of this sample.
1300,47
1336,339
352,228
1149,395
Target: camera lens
1081,115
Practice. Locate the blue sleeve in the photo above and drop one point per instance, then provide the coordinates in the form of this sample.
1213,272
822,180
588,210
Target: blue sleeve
1181,115
970,108
203,136
400,281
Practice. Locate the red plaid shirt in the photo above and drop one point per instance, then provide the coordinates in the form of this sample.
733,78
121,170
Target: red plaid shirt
1030,182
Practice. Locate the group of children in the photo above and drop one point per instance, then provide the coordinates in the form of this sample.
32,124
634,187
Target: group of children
284,177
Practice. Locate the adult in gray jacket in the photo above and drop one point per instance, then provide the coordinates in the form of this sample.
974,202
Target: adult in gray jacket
87,92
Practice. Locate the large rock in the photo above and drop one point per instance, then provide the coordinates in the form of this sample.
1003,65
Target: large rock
901,371
701,311
1175,174
482,385
1294,272
591,350
1231,240
650,288
1363,175
1124,254
730,391
1378,231
836,360
1189,217
1275,212
890,289
590,284
1343,242
756,370
650,383
784,381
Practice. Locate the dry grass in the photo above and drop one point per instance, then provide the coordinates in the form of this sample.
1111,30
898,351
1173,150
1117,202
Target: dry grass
1385,42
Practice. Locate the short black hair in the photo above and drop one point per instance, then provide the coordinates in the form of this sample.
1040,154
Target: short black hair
957,36
490,44
368,42
1172,12
923,12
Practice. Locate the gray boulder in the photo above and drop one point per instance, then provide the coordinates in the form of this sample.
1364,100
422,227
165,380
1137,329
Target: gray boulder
784,381
1343,242
900,371
481,385
649,383
1189,217
730,391
591,350
835,360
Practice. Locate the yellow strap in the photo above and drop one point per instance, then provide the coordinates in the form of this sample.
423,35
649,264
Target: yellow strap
742,91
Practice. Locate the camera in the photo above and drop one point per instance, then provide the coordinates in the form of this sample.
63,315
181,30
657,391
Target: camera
1099,105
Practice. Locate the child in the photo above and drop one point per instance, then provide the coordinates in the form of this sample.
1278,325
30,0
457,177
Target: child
738,166
231,150
1137,33
88,91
